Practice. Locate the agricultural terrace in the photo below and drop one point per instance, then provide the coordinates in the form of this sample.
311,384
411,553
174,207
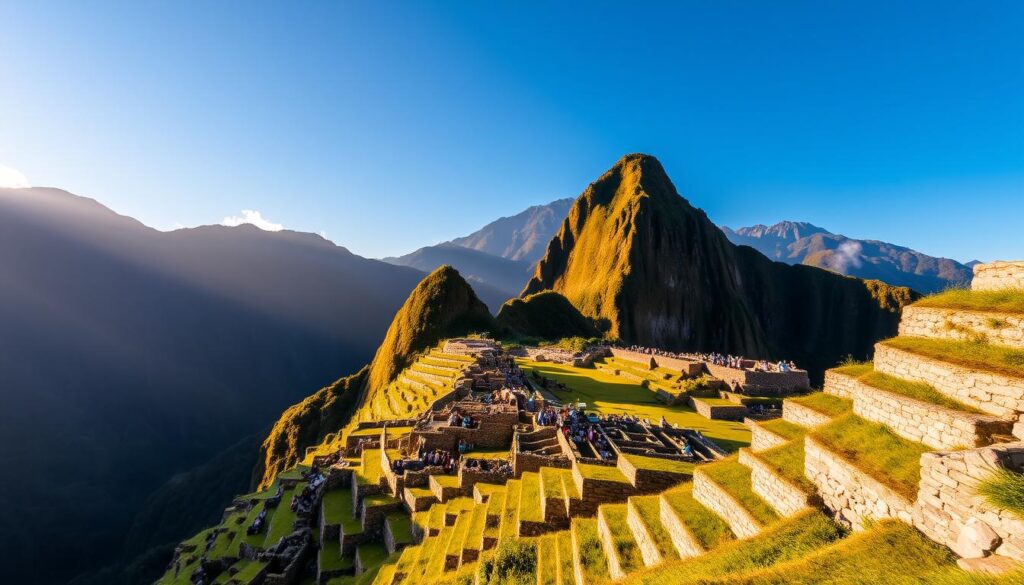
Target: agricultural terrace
607,393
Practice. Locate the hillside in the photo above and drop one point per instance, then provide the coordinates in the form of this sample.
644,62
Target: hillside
522,237
653,270
442,305
131,356
804,243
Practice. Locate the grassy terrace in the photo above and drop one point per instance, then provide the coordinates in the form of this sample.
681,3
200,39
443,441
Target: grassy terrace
601,473
530,506
649,510
874,449
477,524
826,404
995,301
783,428
369,471
609,394
735,479
866,374
970,354
709,530
622,537
330,558
337,509
565,566
659,464
788,461
400,526
593,563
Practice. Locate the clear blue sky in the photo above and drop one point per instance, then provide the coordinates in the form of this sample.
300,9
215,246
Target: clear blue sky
391,127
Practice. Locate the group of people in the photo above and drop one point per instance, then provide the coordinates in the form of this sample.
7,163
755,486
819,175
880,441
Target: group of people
437,458
457,419
494,465
719,359
547,416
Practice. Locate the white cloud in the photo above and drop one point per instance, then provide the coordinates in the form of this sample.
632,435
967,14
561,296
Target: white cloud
255,218
12,178
847,255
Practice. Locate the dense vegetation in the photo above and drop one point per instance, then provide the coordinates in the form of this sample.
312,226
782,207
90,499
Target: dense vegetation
547,315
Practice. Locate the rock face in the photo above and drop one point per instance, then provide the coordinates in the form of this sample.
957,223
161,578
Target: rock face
803,243
652,269
545,314
521,237
442,305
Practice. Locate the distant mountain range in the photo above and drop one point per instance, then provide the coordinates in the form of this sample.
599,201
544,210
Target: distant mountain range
803,243
131,356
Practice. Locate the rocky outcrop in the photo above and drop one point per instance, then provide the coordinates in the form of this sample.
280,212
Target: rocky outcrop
651,269
546,314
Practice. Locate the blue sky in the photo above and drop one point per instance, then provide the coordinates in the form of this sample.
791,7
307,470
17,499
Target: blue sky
391,127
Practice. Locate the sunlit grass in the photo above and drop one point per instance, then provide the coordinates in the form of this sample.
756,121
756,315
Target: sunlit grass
970,354
997,301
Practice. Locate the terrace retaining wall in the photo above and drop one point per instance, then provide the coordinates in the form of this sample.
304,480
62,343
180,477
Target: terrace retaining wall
715,498
998,275
996,394
950,512
685,542
939,323
761,439
799,414
719,411
781,494
935,426
852,495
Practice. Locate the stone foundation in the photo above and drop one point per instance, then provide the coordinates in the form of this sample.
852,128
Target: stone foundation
996,328
782,495
799,414
719,411
715,498
996,394
998,275
852,495
950,512
933,425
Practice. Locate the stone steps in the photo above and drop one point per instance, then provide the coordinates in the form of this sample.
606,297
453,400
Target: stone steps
937,426
620,547
958,324
736,504
445,487
445,373
554,500
995,393
431,380
694,529
473,544
454,549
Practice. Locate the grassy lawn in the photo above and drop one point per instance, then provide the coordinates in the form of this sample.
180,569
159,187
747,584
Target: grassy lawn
659,464
1005,489
401,527
709,530
970,354
551,479
783,428
565,566
788,461
793,538
874,449
248,570
592,559
609,394
602,473
337,509
866,374
996,301
735,479
283,521
826,404
622,536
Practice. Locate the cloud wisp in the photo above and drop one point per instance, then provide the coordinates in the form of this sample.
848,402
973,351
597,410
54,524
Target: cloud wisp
12,178
254,217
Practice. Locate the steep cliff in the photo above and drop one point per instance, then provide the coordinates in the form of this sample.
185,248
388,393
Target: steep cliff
442,305
636,256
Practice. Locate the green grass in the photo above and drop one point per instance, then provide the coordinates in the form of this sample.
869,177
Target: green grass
875,450
649,510
659,464
283,521
593,563
370,470
248,570
609,394
996,301
551,480
530,506
735,479
970,354
474,537
601,473
788,461
783,428
711,401
625,546
793,538
826,404
547,560
330,558
565,563
337,509
866,374
401,527
510,510
459,532
709,530
1005,489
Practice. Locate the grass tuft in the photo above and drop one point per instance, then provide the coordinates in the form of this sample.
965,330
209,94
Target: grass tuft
826,404
1005,490
998,301
970,354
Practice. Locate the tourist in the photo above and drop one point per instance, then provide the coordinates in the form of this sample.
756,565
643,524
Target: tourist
664,422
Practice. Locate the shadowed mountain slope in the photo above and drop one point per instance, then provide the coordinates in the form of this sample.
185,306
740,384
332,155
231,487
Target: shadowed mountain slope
653,269
545,314
131,355
803,243
442,305
521,237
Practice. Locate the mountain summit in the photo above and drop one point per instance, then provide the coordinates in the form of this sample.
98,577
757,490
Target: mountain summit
652,269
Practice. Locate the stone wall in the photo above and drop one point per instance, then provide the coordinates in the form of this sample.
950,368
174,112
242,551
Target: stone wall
642,535
685,542
761,439
996,394
648,480
998,275
799,414
852,495
935,426
686,367
781,494
999,329
949,511
719,411
765,383
594,492
719,501
561,356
